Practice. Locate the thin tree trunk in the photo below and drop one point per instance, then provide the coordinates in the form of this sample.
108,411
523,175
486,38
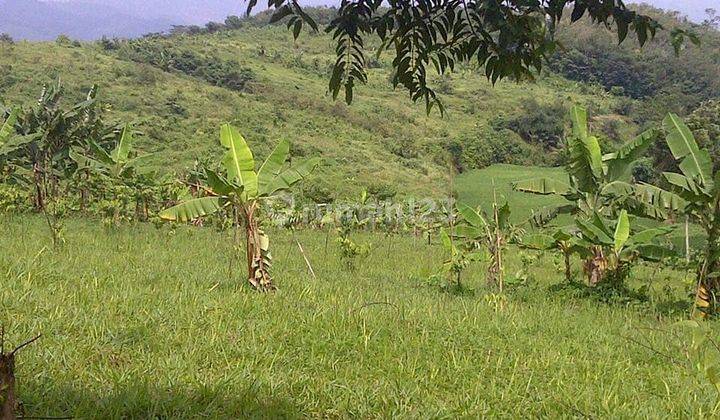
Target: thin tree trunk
687,239
8,396
257,257
8,402
568,270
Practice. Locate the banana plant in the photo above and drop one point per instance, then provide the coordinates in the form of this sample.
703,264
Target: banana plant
609,251
122,166
697,187
562,239
597,183
242,189
491,232
457,260
117,164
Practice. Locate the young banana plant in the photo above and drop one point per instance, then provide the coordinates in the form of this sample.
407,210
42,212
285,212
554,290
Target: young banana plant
243,189
597,183
457,260
492,233
118,164
562,239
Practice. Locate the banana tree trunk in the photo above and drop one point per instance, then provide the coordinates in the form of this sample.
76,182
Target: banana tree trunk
568,266
259,259
596,266
8,400
708,285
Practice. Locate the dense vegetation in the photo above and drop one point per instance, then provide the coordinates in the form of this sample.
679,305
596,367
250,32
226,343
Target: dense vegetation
623,232
177,101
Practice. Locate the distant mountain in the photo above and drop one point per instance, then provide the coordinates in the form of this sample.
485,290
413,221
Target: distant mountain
84,20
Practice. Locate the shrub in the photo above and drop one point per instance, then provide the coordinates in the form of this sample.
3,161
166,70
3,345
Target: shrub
5,38
538,124
212,69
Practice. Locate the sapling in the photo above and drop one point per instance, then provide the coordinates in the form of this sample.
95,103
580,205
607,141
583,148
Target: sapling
244,190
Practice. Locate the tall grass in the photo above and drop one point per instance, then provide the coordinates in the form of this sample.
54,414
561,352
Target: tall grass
141,322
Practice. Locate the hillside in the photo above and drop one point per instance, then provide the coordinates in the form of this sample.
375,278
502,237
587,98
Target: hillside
179,89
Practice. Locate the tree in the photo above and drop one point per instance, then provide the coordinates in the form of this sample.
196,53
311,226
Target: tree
599,183
242,190
509,38
698,185
38,155
121,165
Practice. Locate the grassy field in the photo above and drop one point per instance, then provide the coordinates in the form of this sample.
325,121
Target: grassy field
477,187
143,322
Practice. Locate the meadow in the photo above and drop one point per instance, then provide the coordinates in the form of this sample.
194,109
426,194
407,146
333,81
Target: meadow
146,322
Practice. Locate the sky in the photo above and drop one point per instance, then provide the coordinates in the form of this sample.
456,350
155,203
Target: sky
91,19
694,9
201,11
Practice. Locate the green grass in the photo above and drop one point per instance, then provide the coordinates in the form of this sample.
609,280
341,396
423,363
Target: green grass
477,187
360,144
143,322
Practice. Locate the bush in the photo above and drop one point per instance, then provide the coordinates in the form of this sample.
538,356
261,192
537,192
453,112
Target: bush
5,38
382,191
212,69
537,124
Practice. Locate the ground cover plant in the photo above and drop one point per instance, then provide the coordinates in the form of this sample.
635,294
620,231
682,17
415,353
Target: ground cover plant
136,330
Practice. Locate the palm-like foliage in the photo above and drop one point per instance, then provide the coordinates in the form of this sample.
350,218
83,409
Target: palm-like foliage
599,183
242,188
698,188
117,164
36,153
121,166
492,232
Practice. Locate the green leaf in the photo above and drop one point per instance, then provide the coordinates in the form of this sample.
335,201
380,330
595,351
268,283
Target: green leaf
8,127
622,231
100,153
84,162
124,146
139,163
218,184
469,232
446,241
471,216
291,176
542,186
16,142
696,163
192,209
593,233
620,162
539,241
648,235
654,252
238,161
274,163
578,116
504,216
683,182
656,202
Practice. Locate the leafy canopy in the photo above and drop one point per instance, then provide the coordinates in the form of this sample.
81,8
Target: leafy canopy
509,38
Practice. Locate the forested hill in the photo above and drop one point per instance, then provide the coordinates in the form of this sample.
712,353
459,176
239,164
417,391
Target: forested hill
178,89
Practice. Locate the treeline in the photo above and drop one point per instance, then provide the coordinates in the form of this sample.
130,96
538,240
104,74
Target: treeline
163,54
653,73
